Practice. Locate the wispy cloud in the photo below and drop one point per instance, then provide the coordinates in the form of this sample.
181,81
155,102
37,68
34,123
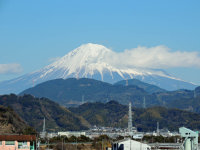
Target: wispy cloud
154,57
13,68
53,59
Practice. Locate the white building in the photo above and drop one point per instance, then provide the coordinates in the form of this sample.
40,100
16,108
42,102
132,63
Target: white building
128,144
71,133
138,136
52,134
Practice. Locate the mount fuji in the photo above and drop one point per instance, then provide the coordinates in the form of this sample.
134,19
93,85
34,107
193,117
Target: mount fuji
92,61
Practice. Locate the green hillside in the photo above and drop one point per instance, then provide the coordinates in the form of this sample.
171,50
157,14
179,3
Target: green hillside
182,99
147,87
75,91
33,110
115,115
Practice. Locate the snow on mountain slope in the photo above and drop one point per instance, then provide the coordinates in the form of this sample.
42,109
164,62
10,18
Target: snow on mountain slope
91,61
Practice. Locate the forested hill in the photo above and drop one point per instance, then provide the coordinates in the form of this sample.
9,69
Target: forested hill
33,110
10,122
115,114
150,88
73,91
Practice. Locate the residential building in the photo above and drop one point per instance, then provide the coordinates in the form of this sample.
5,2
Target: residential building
17,142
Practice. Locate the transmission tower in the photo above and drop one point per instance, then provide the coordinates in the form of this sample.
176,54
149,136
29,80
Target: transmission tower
195,95
130,120
107,100
44,134
83,99
126,82
44,128
158,131
144,102
77,75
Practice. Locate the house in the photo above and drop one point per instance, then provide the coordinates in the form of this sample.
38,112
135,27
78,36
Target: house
17,142
128,144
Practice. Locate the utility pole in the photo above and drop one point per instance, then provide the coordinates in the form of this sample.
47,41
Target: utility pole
48,143
76,143
102,144
62,143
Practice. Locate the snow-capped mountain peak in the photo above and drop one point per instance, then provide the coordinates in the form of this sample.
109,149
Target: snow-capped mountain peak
92,61
86,59
83,55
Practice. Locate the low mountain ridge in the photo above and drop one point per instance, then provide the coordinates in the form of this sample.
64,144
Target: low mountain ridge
33,110
78,91
147,87
74,92
116,115
112,114
10,122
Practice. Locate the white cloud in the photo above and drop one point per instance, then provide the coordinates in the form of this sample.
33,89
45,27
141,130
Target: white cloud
154,57
10,68
53,59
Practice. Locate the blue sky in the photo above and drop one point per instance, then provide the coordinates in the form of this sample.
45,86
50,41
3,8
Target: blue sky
33,32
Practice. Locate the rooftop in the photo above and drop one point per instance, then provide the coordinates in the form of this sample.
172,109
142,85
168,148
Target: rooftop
17,137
